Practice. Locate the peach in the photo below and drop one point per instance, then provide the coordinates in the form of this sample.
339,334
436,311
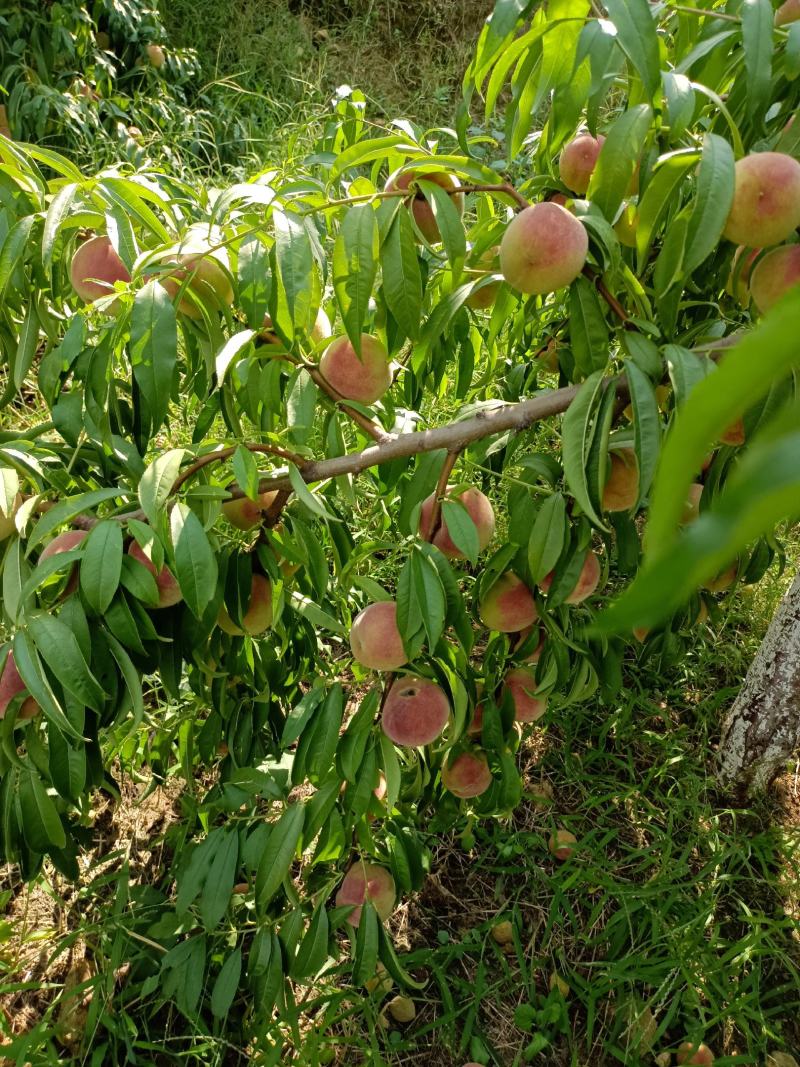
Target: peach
415,712
697,1055
722,581
65,542
258,616
479,510
691,509
244,513
528,632
587,582
543,249
467,775
155,56
734,435
484,297
475,725
169,592
402,1009
625,226
521,683
562,844
503,932
509,606
375,639
11,685
641,633
577,161
94,268
7,523
738,284
622,481
558,198
364,379
774,275
421,210
208,271
789,11
367,882
320,331
766,200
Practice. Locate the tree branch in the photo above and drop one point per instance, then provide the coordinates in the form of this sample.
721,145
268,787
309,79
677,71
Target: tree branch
441,490
226,453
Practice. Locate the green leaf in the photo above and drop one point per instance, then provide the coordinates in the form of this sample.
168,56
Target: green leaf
156,483
101,565
448,220
686,369
57,212
40,822
254,281
154,350
618,157
712,202
660,195
304,494
636,33
462,530
195,561
547,537
278,855
646,426
355,265
30,668
227,984
402,280
218,883
131,677
295,263
421,603
577,436
245,471
365,957
365,151
757,32
232,348
313,951
60,650
588,331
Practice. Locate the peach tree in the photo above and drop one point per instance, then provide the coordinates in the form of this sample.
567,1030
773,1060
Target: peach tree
321,482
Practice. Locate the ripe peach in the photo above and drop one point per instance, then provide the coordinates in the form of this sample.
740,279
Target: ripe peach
508,606
789,11
484,297
244,513
691,509
577,161
415,712
475,725
467,775
258,616
734,435
521,683
697,1055
559,198
723,580
155,56
739,287
774,275
367,882
94,268
169,592
421,210
11,685
766,200
7,523
622,481
479,510
543,249
208,271
364,379
562,844
375,639
586,584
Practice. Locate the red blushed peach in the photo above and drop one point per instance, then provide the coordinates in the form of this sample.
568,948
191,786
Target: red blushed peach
467,775
207,269
375,639
696,1055
421,210
734,435
587,582
544,248
479,510
258,616
508,607
521,684
169,592
789,11
641,633
562,844
94,268
367,882
11,685
578,160
244,513
475,726
774,275
65,542
364,379
415,713
622,481
766,200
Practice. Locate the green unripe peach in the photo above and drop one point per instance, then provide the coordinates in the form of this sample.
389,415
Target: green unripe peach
543,249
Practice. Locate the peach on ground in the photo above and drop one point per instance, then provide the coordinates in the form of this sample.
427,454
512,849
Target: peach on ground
169,592
521,683
467,775
789,11
691,509
774,275
7,522
95,267
375,640
11,685
622,480
258,616
244,513
544,248
696,1055
738,283
365,378
421,210
415,712
508,607
367,882
723,580
562,844
503,932
484,297
479,510
587,582
734,435
578,160
766,200
402,1009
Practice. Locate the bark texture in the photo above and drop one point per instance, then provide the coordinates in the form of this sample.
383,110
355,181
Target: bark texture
762,729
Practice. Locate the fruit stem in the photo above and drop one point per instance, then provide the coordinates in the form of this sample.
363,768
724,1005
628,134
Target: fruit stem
441,491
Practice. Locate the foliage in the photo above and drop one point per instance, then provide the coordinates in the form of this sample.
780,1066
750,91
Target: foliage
166,400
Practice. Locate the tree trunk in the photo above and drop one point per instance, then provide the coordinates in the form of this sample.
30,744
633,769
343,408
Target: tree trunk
762,729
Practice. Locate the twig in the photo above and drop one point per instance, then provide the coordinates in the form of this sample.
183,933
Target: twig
685,10
608,296
502,188
226,453
368,425
441,492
